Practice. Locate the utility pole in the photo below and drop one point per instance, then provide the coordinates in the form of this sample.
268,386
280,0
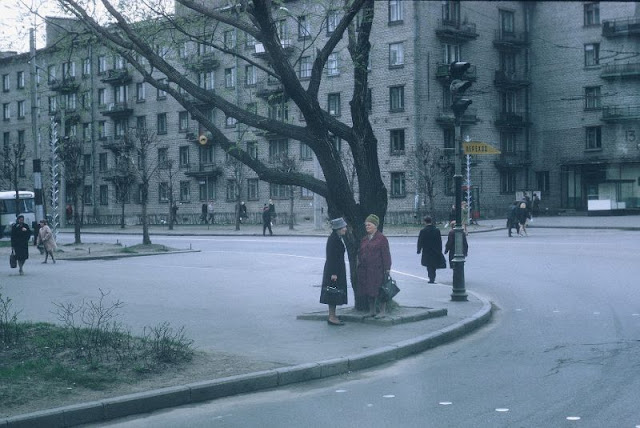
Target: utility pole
35,135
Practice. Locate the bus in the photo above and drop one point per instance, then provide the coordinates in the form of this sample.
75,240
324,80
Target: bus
8,209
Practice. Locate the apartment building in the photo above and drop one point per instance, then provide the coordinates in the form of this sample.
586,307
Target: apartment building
554,89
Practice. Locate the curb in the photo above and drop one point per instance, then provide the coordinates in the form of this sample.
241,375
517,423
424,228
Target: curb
124,255
193,393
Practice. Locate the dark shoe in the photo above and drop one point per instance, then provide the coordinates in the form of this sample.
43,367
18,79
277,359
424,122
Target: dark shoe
334,323
431,282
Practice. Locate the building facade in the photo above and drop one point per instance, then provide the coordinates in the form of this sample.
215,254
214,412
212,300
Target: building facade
563,110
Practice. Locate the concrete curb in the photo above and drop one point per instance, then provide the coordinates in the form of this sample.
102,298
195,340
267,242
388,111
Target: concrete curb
144,402
124,255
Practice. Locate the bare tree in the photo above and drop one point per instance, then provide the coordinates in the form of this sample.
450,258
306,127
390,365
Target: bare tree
13,160
432,167
70,152
167,173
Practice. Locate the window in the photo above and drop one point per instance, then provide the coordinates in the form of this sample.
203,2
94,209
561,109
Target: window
252,189
87,195
102,97
305,67
6,111
141,123
279,111
207,190
21,109
102,64
20,138
593,138
592,98
86,131
118,62
450,53
542,181
397,185
163,156
451,11
250,75
68,70
104,194
183,121
232,190
332,21
396,138
278,149
229,39
102,129
508,102
336,142
21,168
332,65
230,77
396,54
206,80
103,162
161,94
591,14
305,193
333,104
507,182
51,73
184,156
396,14
279,191
6,83
252,108
120,127
53,104
87,163
305,152
163,192
206,154
230,122
185,191
591,54
140,92
120,94
249,41
71,101
86,66
507,19
162,123
508,142
20,79
396,98
304,27
252,149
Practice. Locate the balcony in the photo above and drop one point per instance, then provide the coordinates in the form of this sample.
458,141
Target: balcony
118,110
117,144
510,40
266,89
203,170
64,86
71,116
621,27
446,118
621,71
510,81
513,160
442,73
456,30
203,63
259,51
511,120
620,113
119,76
120,172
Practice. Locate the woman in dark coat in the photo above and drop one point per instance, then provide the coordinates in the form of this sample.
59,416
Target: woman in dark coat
430,244
451,242
334,277
20,234
374,264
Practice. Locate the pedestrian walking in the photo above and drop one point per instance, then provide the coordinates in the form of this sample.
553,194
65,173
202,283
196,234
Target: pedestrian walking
450,246
334,276
46,239
174,213
68,213
374,265
211,212
512,218
272,210
523,215
20,234
243,212
203,213
266,220
430,245
535,205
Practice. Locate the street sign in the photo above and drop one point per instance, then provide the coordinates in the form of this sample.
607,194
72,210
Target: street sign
479,148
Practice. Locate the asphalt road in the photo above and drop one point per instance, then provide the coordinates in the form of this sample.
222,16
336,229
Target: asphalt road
563,349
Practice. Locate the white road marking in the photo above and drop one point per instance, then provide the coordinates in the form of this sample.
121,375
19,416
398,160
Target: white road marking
502,409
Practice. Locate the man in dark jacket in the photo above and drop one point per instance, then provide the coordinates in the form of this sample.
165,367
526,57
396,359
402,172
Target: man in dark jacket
512,218
266,220
430,244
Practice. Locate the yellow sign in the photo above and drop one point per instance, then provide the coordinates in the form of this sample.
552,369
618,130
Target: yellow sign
203,139
479,148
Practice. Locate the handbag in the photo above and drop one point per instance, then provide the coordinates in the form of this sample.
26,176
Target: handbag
388,289
13,262
334,291
442,263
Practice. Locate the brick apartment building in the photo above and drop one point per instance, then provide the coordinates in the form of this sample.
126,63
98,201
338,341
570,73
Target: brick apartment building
555,89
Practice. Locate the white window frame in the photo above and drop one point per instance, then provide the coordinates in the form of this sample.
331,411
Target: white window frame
396,54
333,64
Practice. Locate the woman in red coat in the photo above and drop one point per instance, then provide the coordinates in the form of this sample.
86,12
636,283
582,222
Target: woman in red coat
374,264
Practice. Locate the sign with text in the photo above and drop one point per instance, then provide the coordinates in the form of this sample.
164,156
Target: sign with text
479,148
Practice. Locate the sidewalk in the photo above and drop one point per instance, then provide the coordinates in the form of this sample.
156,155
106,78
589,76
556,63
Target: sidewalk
309,348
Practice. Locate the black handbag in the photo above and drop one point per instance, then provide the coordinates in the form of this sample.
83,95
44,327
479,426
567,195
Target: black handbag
442,263
388,289
334,291
13,262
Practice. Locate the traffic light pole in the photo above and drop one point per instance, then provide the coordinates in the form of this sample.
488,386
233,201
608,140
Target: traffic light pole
459,293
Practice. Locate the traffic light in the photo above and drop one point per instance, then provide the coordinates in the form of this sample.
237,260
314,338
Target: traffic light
457,87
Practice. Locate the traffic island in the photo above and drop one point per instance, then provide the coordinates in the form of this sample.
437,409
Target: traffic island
398,315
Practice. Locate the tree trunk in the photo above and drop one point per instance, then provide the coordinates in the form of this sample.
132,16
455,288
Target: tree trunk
76,222
146,240
291,222
122,214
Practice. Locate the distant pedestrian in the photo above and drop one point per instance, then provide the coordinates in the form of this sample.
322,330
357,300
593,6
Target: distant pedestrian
20,234
243,212
174,213
203,213
46,239
535,205
452,214
374,265
523,215
68,213
211,212
430,245
266,220
512,218
334,276
451,243
272,210
465,217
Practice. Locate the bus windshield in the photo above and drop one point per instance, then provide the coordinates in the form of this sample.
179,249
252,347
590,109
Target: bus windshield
8,206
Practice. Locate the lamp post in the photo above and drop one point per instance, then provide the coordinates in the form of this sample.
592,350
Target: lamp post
458,105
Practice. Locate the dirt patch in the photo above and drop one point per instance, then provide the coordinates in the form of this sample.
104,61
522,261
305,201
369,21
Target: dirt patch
80,251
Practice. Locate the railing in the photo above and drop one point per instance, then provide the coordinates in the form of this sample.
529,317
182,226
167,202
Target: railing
511,37
511,119
613,113
620,70
502,78
120,75
621,27
65,85
514,158
463,29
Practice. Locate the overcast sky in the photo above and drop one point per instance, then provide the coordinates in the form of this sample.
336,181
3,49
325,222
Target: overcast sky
15,21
